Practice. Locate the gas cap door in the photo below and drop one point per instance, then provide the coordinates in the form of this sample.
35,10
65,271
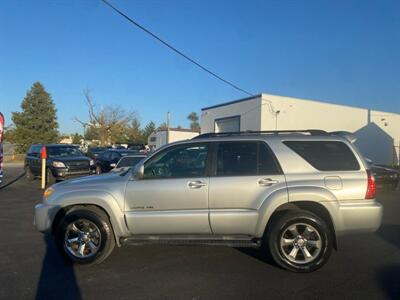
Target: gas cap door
333,182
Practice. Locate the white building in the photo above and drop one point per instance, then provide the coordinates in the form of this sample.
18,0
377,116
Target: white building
162,137
378,132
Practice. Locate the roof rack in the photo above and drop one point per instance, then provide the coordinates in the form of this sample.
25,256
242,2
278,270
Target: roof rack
249,132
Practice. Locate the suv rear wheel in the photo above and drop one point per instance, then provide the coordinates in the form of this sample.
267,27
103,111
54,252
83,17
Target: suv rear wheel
299,241
85,235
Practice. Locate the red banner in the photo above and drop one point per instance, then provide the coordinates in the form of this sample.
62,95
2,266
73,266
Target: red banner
1,145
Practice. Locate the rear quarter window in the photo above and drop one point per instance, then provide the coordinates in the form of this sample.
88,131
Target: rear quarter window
325,155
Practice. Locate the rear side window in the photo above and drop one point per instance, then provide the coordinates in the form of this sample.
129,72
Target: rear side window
325,155
245,158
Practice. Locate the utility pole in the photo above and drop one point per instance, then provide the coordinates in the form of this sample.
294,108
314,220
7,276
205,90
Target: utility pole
168,122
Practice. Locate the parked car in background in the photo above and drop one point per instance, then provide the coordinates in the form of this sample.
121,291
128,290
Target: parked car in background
63,161
108,159
94,152
290,194
137,147
386,178
129,161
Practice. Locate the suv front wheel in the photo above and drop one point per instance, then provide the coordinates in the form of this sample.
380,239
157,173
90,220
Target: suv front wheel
85,235
299,241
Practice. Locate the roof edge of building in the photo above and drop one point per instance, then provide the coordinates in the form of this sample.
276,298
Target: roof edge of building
233,102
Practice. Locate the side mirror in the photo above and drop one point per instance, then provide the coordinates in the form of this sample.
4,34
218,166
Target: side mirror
138,173
112,165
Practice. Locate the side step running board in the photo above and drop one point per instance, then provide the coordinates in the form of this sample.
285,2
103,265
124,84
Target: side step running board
192,241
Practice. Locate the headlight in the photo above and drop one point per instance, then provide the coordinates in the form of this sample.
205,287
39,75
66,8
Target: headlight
58,164
91,162
47,193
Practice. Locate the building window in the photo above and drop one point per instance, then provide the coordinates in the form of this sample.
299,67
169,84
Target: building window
229,124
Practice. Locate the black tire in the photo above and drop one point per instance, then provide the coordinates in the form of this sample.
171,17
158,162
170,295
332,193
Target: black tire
97,217
28,174
50,179
280,227
98,170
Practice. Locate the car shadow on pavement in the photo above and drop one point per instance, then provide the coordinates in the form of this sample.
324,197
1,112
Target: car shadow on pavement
390,233
388,278
57,278
259,254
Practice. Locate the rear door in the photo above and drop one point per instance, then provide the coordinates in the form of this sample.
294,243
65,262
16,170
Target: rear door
245,173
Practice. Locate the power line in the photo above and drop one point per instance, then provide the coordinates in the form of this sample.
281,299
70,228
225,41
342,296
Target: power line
175,50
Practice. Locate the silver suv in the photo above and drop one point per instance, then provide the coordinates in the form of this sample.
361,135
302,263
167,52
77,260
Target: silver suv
289,193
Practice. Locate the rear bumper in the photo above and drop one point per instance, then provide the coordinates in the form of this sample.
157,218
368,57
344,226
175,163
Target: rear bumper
359,217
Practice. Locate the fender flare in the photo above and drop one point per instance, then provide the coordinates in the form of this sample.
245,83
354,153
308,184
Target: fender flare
101,199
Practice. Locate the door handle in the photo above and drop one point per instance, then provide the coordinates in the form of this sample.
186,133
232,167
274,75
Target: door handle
267,182
196,184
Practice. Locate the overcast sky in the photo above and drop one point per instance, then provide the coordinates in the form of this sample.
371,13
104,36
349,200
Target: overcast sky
346,52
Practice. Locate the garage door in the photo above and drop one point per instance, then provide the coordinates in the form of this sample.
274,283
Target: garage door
230,124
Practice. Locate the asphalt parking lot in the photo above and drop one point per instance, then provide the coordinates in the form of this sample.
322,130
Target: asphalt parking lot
366,266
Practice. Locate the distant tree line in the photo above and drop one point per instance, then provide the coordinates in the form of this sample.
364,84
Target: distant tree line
37,123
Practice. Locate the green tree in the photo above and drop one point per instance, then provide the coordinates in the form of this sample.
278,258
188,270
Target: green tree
9,134
37,122
148,129
194,121
76,138
134,132
91,133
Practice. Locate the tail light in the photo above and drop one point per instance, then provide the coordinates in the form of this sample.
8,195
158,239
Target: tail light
371,186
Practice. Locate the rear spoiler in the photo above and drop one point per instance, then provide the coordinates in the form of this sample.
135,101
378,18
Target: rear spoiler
345,134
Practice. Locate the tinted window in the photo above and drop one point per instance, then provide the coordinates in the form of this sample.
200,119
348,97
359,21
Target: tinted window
267,164
63,151
237,159
245,158
115,156
129,161
325,155
178,162
105,155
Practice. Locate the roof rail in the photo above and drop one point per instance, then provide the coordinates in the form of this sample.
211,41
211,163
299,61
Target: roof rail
249,132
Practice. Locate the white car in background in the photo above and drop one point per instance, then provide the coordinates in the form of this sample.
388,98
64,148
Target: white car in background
128,162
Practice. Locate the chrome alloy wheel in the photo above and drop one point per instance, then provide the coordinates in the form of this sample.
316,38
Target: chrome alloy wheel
82,238
300,243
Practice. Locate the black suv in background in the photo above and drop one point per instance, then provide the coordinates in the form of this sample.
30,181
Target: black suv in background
107,160
63,161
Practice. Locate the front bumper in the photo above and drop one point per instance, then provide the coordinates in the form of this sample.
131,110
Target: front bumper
64,173
44,216
359,217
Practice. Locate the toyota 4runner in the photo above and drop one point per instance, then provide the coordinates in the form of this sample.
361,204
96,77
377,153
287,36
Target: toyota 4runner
289,193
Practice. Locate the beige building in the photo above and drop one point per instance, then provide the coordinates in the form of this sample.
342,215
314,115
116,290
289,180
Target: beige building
378,132
160,138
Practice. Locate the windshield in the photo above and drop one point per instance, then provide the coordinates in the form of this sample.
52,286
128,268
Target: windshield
63,152
129,161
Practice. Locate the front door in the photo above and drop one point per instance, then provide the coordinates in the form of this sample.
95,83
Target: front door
172,197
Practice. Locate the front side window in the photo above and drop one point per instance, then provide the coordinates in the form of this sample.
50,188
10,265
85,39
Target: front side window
245,159
178,162
129,161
